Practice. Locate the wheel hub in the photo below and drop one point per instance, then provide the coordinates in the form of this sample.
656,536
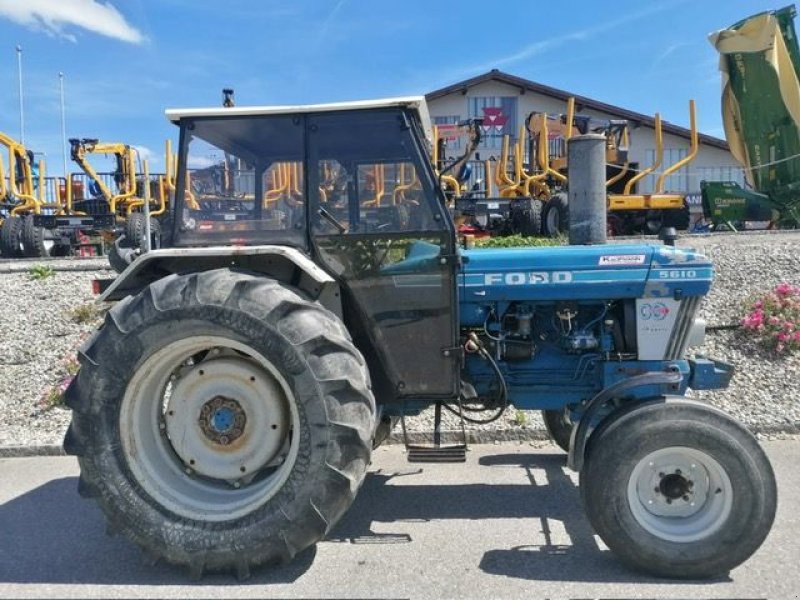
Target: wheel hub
227,418
679,494
674,486
222,420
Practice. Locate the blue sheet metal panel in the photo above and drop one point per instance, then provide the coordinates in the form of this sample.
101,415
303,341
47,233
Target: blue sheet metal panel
559,273
604,272
678,271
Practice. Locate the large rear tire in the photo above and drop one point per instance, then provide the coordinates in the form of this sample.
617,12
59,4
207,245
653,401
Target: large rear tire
221,420
678,489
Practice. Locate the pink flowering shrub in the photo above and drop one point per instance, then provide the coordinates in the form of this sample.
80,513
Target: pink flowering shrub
774,319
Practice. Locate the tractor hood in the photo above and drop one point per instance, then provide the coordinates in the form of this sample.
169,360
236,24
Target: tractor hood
602,272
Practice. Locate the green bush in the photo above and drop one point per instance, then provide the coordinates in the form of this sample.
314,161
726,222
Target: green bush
518,241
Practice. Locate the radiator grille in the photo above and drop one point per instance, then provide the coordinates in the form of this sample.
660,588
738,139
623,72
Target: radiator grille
676,347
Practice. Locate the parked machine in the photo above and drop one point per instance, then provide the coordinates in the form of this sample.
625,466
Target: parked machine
628,210
25,193
760,66
225,413
526,192
110,205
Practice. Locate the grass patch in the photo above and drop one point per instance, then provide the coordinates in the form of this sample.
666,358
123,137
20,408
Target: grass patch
85,313
53,398
39,272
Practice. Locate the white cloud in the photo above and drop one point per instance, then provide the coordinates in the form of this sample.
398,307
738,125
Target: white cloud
52,16
201,162
548,44
147,154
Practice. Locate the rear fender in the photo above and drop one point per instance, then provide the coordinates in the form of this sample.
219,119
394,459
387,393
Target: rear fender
285,264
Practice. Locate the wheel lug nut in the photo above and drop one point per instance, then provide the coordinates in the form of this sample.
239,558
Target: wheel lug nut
686,498
669,500
677,471
661,475
657,490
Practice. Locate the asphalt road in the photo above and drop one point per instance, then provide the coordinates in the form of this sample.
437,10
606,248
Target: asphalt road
508,523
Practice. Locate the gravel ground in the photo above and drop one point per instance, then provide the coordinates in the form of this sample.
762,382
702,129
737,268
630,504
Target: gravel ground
39,335
38,338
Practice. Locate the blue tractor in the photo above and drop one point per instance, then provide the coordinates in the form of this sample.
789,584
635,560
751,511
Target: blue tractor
312,292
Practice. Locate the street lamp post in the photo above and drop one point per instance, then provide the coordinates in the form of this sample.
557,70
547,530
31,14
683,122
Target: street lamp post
63,122
21,103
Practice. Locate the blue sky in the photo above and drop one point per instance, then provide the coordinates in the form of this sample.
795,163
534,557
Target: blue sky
125,61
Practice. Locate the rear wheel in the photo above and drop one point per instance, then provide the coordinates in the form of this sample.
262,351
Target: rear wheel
678,489
37,242
11,237
135,231
222,421
527,220
679,218
555,218
653,221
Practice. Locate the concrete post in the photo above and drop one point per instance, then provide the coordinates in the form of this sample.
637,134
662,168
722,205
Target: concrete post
587,189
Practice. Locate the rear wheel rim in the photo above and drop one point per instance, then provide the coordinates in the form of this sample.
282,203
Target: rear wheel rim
680,494
209,428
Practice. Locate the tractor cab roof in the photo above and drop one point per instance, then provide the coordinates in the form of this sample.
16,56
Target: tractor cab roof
414,103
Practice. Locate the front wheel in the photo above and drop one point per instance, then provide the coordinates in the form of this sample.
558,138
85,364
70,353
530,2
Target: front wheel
678,489
559,427
221,420
555,217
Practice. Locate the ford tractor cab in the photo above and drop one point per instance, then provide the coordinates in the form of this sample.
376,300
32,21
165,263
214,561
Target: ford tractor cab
312,292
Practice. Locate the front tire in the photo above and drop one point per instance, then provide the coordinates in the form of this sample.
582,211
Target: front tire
558,427
221,420
678,489
555,216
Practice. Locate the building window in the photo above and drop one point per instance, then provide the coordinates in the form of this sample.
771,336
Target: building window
448,129
678,182
721,173
499,114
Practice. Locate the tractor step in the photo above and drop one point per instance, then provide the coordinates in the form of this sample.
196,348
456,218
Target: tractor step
436,452
443,454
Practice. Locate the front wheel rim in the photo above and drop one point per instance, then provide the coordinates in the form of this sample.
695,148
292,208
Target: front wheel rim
680,494
209,428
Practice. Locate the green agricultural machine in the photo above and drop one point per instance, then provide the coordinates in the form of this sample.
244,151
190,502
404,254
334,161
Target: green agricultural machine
760,65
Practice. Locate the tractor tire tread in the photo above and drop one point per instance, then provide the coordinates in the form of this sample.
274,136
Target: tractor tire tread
10,237
637,429
347,412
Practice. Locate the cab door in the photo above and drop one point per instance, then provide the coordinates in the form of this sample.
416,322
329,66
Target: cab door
378,226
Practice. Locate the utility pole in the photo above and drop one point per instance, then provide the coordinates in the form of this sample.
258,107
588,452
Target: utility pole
21,103
63,122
